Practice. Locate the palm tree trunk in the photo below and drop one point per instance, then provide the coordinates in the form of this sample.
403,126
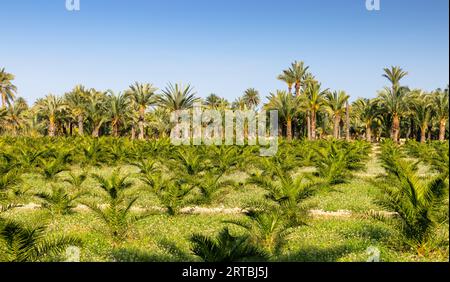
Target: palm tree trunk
308,125
423,133
337,120
96,131
396,128
3,100
115,129
51,126
133,132
80,125
313,125
141,123
442,130
347,122
368,133
289,128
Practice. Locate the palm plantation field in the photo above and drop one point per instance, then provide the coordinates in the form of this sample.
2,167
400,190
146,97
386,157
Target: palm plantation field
97,170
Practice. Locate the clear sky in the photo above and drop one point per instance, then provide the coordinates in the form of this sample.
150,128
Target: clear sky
222,46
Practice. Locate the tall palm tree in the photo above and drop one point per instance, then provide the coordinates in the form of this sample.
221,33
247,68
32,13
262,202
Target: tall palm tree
143,96
335,105
288,78
287,106
239,104
251,98
394,102
367,112
118,110
440,110
16,115
298,70
420,104
213,101
7,89
177,97
97,110
50,107
76,104
314,102
394,75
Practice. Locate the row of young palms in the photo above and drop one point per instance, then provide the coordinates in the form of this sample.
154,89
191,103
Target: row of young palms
306,109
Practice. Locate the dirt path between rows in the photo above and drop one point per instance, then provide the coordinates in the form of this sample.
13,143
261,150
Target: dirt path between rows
216,210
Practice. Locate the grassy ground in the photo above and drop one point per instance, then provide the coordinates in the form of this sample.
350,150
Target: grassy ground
164,238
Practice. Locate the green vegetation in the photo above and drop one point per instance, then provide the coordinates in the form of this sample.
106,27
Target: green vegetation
97,170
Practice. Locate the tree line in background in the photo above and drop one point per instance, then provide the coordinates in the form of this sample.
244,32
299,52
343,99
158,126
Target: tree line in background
305,109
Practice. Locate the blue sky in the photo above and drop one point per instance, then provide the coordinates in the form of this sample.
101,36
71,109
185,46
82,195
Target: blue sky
222,46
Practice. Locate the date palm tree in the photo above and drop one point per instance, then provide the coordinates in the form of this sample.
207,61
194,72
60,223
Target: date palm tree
16,116
143,96
367,112
440,110
212,101
314,102
177,97
251,98
118,110
51,108
287,106
394,98
97,110
287,78
335,105
7,88
394,102
298,70
77,105
421,108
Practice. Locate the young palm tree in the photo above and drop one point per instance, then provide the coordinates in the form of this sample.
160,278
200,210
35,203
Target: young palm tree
225,248
287,106
58,202
118,110
116,214
335,105
177,97
7,89
267,229
416,201
251,98
143,96
314,102
440,110
367,112
19,243
51,108
77,105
